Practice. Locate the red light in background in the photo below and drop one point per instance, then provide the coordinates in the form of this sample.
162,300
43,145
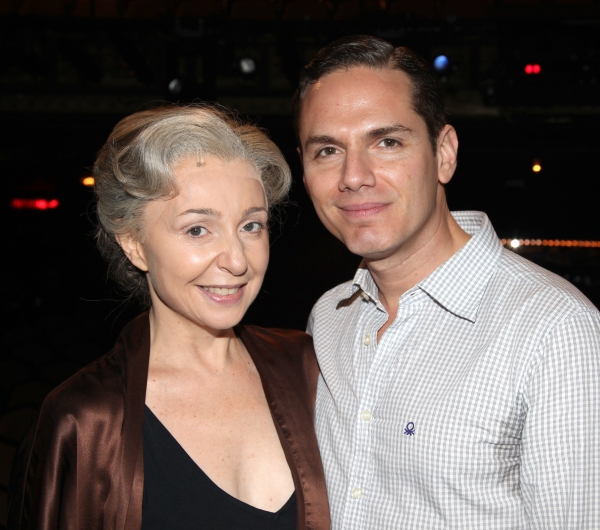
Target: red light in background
533,69
34,204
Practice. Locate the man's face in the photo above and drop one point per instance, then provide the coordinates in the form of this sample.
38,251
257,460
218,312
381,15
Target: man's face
368,163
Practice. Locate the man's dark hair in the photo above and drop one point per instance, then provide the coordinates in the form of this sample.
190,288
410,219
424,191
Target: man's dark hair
372,52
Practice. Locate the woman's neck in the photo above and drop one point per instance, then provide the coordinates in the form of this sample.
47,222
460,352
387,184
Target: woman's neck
177,343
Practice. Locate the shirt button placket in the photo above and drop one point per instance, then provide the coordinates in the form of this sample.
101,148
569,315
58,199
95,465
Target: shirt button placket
359,475
361,462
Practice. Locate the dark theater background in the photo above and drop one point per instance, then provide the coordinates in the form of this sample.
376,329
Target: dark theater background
521,79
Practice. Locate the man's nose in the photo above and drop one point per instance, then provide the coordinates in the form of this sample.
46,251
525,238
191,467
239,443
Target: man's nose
356,171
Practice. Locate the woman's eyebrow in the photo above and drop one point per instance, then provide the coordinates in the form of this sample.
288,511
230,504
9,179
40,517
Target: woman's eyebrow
203,211
254,209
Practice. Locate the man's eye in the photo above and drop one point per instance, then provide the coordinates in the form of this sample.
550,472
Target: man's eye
327,151
389,142
197,231
255,226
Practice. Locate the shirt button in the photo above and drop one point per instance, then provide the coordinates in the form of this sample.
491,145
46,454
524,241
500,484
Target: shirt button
366,415
356,493
367,340
365,296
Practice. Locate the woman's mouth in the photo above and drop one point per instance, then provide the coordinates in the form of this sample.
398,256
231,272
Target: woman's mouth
228,295
221,290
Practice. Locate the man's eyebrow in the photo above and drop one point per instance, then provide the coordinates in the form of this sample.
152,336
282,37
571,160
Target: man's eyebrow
252,210
320,140
390,129
372,134
203,211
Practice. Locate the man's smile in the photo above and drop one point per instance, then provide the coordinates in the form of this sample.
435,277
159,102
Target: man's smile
365,209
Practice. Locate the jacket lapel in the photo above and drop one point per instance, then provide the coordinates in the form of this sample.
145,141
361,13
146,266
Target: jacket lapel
126,498
288,370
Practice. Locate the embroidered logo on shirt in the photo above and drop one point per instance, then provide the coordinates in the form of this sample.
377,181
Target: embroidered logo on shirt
409,430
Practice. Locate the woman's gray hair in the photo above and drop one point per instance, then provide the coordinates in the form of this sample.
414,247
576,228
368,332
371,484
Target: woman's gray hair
135,166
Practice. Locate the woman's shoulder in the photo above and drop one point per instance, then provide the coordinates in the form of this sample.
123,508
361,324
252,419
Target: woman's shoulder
86,412
279,334
286,342
102,385
96,388
288,368
286,353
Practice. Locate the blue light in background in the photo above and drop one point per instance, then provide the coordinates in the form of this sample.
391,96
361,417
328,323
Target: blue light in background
441,63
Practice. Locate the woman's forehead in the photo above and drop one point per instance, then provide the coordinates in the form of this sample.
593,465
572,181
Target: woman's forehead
223,186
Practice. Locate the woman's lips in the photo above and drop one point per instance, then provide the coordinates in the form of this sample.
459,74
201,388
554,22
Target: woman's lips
363,210
222,290
225,295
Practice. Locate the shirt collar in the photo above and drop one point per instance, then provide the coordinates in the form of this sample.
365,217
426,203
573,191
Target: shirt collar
364,281
459,284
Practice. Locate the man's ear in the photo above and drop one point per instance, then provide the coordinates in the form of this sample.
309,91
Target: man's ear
133,250
447,153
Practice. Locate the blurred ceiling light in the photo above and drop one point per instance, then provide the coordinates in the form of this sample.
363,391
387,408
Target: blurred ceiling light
88,181
33,204
533,69
247,65
441,63
175,87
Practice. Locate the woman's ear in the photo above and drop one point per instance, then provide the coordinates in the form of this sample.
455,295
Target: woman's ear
133,249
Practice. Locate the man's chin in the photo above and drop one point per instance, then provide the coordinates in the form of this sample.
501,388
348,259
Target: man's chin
369,250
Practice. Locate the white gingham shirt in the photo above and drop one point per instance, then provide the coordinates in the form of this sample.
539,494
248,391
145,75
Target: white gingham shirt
478,409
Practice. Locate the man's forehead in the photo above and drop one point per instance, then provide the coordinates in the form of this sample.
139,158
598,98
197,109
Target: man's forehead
348,78
379,98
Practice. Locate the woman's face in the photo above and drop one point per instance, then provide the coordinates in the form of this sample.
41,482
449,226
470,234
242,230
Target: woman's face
206,250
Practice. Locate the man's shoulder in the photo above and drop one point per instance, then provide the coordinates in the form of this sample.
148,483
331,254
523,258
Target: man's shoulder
540,287
333,308
334,298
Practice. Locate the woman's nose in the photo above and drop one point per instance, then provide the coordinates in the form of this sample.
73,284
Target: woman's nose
233,257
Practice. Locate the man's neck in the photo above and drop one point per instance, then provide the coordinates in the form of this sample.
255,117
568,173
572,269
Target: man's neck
401,271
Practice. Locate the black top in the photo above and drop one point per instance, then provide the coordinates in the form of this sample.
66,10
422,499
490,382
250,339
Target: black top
179,495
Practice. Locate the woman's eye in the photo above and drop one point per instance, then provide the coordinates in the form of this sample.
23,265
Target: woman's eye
197,231
389,142
255,226
327,151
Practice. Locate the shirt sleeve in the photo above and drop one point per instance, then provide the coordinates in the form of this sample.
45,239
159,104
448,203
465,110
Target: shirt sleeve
560,459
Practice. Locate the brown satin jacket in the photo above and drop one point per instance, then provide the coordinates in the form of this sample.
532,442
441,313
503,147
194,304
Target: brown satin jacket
81,467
